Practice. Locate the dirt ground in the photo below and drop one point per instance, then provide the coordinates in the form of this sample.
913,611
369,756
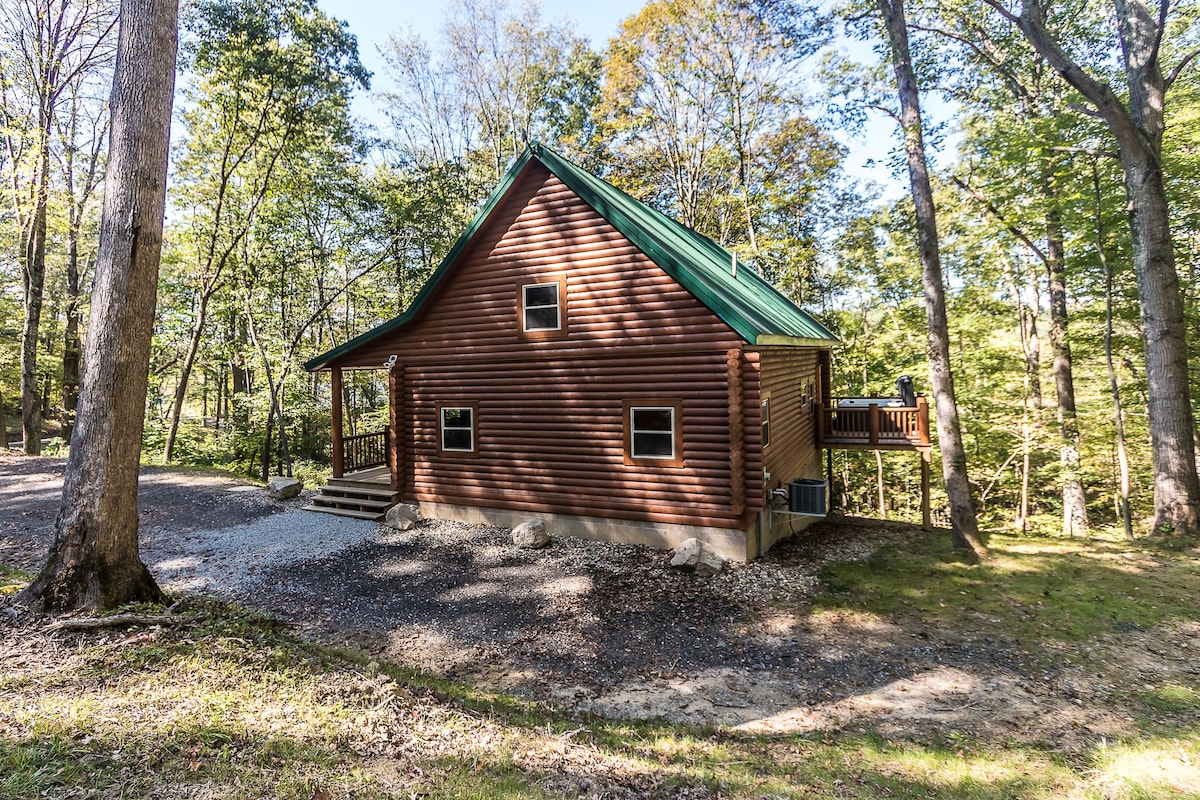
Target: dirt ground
613,629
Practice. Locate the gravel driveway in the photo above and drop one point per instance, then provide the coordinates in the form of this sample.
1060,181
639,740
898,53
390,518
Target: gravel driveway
596,627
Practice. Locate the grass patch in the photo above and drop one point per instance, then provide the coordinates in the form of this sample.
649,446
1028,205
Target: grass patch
1031,589
238,706
12,580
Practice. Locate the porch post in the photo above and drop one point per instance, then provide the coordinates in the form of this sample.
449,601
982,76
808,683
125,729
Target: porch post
923,418
926,521
335,382
829,477
395,439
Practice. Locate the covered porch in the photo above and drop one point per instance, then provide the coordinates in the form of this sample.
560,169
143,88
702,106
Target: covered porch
367,466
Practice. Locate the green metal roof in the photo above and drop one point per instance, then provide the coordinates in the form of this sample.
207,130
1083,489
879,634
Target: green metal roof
741,298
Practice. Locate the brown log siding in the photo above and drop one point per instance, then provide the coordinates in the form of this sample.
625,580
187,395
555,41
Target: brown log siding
549,430
786,371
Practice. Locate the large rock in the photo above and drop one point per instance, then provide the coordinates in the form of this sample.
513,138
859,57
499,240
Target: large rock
692,554
281,488
403,517
531,534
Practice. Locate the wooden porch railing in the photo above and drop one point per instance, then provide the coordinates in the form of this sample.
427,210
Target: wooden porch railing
364,450
870,422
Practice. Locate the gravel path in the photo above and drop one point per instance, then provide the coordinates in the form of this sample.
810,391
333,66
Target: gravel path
594,627
236,561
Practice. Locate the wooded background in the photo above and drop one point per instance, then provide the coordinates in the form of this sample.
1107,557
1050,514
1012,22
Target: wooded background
292,226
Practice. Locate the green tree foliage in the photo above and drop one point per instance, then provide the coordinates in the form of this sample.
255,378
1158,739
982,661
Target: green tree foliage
55,62
266,126
706,119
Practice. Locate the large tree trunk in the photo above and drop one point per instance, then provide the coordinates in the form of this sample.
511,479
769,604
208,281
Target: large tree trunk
71,343
949,435
1074,501
1138,130
33,282
954,457
1172,427
94,561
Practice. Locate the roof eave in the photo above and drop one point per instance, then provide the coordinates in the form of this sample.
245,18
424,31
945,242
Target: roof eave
779,340
322,361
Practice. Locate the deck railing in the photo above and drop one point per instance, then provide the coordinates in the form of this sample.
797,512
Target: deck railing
364,450
873,422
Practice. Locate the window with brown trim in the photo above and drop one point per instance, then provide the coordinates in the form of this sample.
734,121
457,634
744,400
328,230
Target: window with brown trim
542,306
456,428
653,434
766,421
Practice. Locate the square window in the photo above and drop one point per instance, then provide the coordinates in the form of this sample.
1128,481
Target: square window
540,307
652,432
458,429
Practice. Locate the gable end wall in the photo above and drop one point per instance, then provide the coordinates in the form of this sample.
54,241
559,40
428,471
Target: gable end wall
550,421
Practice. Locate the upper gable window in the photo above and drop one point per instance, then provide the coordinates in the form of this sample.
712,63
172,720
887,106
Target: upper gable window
542,308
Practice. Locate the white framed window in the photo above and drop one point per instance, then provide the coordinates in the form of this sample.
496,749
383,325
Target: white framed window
541,306
457,425
653,432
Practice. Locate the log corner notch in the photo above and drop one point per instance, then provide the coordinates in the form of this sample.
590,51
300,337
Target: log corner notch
737,432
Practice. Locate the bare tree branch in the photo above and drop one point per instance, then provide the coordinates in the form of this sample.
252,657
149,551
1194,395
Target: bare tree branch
1180,67
995,212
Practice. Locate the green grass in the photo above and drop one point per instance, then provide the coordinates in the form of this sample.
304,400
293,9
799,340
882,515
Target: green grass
238,706
12,580
1032,589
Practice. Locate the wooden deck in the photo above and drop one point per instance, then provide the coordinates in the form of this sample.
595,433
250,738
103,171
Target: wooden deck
370,477
872,423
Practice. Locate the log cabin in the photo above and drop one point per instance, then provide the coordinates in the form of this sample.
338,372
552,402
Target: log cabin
581,358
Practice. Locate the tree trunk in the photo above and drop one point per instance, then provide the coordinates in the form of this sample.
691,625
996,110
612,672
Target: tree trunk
1138,130
1172,426
879,484
71,343
33,276
1123,510
1074,501
1027,332
185,374
94,561
954,458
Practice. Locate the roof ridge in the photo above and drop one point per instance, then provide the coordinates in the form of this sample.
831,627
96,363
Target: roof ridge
746,302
